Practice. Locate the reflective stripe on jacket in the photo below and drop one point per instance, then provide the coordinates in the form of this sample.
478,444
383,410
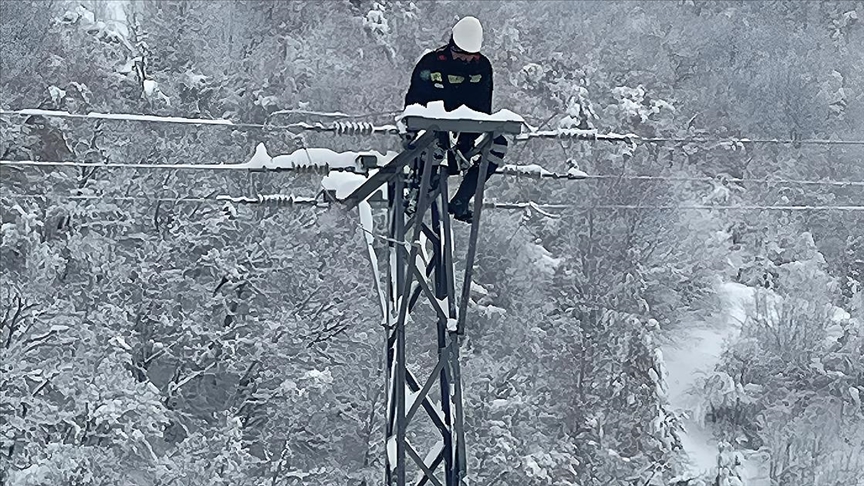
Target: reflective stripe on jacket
438,76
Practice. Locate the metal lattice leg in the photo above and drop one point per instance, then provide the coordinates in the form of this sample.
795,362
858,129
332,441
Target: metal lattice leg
411,278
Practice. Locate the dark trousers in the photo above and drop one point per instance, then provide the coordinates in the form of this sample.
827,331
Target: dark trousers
471,178
468,186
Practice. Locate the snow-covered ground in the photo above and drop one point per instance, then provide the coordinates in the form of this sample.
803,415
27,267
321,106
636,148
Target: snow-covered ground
694,351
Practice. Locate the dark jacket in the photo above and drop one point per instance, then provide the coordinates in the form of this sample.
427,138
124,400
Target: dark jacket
438,76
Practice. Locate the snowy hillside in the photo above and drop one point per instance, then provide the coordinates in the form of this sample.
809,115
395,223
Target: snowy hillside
669,273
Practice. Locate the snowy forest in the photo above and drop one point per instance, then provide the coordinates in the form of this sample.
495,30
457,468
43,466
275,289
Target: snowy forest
693,318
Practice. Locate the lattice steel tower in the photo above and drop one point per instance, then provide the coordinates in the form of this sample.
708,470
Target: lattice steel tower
421,263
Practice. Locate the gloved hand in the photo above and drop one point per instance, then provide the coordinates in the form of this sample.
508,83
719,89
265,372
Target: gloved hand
463,162
407,137
463,146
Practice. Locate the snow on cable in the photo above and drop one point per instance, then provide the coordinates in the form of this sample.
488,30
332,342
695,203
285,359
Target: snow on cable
310,158
119,116
338,127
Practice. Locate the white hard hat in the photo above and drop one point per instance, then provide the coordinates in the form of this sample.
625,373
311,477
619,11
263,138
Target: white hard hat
468,34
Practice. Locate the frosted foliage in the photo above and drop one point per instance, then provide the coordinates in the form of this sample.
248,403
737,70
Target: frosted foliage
319,378
720,392
665,424
57,94
376,21
841,26
579,108
378,26
24,231
729,466
63,464
109,30
533,73
153,93
542,258
194,80
133,412
632,103
569,90
833,93
148,338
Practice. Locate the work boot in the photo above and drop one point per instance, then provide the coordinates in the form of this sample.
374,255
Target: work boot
461,211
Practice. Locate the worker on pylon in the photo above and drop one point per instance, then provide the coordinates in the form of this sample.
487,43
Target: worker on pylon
458,75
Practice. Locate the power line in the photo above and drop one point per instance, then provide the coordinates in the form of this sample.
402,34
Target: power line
538,172
263,199
119,165
693,207
292,200
788,141
338,127
97,197
144,166
121,117
593,135
721,179
532,172
334,114
362,128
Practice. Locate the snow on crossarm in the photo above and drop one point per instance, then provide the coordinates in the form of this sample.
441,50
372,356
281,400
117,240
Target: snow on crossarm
435,110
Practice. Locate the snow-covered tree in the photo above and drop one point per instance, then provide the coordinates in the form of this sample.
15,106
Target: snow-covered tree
141,339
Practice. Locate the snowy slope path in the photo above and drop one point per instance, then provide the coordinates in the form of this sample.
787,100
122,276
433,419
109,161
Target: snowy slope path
694,351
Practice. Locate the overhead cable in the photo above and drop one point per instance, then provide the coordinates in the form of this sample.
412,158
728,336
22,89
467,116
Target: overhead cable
263,199
593,135
338,127
670,207
362,128
537,172
292,200
533,172
333,114
145,166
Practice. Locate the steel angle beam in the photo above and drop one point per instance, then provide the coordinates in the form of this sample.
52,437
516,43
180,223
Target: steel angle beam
417,123
390,171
